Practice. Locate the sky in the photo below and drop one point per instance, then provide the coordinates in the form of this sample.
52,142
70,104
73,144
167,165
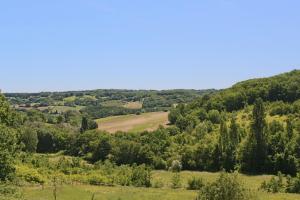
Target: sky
61,45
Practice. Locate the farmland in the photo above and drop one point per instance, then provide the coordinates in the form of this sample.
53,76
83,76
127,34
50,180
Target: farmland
133,123
125,146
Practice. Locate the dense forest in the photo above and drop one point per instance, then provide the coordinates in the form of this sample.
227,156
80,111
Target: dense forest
252,127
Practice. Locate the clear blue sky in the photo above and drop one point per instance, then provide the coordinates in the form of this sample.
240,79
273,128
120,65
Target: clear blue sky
144,44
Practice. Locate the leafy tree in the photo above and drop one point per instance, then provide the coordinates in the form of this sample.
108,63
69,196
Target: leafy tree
45,141
84,124
87,124
30,140
229,143
8,140
8,151
173,115
102,150
214,116
289,129
254,153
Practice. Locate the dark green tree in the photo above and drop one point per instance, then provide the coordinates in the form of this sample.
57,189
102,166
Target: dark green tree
30,140
254,153
289,129
8,140
102,150
84,124
8,150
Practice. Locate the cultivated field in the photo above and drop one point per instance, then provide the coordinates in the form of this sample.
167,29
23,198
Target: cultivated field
133,123
82,192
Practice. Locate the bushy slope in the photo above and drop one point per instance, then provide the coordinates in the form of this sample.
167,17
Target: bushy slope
284,87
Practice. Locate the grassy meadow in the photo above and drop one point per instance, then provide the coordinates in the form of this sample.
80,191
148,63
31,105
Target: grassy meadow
82,192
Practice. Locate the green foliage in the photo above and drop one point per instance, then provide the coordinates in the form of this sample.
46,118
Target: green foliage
195,183
9,191
275,185
8,150
293,184
141,176
254,152
176,181
278,184
30,140
173,115
30,175
226,187
214,116
99,180
102,150
88,124
124,176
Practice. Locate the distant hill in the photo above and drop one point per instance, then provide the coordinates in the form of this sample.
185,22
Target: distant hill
104,102
284,87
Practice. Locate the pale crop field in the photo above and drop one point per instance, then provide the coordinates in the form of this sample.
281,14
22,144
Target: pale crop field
133,123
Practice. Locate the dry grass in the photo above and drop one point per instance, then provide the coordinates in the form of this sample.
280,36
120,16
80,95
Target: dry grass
133,123
133,105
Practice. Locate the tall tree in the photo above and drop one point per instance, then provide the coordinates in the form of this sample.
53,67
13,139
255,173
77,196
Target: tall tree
30,140
8,141
258,128
84,124
254,152
228,143
289,129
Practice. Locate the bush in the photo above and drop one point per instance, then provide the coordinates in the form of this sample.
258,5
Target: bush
275,185
30,175
195,183
214,116
293,184
124,176
176,181
141,176
226,187
10,192
99,180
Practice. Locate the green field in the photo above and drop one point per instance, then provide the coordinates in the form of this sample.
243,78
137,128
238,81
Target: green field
133,123
81,192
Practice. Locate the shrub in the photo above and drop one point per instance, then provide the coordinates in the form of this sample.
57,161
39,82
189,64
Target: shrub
159,163
275,185
195,183
141,176
30,175
226,187
10,192
214,116
293,184
176,181
124,176
99,180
